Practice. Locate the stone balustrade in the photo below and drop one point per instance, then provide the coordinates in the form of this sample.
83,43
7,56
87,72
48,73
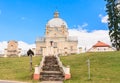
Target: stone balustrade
38,68
66,70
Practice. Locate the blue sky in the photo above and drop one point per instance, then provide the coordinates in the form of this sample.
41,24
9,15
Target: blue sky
24,20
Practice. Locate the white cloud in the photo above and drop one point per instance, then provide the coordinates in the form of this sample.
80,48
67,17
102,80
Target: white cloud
88,39
104,19
81,27
84,25
24,46
3,45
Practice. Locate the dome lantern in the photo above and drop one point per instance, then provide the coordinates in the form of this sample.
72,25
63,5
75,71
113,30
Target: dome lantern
56,21
56,14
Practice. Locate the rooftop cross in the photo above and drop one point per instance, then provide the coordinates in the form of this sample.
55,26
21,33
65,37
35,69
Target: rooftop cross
56,14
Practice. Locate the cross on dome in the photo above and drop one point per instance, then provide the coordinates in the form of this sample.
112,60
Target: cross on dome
56,14
56,21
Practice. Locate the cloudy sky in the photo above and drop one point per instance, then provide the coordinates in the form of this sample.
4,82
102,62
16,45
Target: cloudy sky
24,20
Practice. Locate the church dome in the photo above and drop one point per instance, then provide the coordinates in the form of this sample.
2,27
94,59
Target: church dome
56,21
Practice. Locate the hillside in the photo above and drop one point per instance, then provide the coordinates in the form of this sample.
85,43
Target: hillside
15,68
105,67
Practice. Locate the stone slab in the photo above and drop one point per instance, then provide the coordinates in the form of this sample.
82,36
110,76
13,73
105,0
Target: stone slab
51,82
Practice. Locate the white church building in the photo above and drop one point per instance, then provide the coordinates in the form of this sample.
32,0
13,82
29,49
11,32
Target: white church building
56,39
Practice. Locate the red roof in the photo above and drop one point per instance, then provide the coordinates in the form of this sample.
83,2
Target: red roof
101,44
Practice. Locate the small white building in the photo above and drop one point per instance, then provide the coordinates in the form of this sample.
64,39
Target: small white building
101,47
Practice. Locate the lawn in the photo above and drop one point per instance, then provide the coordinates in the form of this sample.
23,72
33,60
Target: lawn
15,68
105,67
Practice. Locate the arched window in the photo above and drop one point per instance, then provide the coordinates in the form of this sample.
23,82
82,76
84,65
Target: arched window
51,43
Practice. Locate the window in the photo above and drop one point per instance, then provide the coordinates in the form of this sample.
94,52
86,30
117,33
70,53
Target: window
71,48
55,44
98,49
11,46
104,49
65,48
40,49
51,43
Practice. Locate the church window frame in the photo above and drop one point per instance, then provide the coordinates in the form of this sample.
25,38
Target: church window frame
55,44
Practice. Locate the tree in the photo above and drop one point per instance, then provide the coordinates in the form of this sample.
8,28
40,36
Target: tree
114,22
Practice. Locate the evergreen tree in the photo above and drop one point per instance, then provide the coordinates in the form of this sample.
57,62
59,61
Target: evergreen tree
114,22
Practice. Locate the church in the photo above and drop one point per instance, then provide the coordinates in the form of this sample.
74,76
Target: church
56,40
12,49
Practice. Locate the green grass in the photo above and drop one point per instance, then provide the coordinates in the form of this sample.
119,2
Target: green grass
105,67
15,68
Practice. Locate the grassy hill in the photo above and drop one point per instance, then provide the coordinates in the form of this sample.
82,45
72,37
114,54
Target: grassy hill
105,67
15,68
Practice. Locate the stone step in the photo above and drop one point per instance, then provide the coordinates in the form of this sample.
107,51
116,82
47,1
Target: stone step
51,82
51,72
52,78
52,75
51,68
51,63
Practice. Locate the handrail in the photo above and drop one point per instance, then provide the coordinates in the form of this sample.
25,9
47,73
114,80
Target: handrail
60,64
63,69
41,63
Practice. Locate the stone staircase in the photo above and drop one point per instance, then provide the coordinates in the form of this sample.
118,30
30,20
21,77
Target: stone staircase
51,71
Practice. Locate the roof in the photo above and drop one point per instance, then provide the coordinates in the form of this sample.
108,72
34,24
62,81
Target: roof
40,39
56,21
101,44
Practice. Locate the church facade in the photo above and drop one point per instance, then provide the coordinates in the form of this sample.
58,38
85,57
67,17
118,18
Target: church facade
12,49
56,39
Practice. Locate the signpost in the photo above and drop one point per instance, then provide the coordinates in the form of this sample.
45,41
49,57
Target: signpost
30,53
88,63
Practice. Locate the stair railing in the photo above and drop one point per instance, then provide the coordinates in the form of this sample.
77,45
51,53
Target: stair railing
60,64
65,70
38,69
41,63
